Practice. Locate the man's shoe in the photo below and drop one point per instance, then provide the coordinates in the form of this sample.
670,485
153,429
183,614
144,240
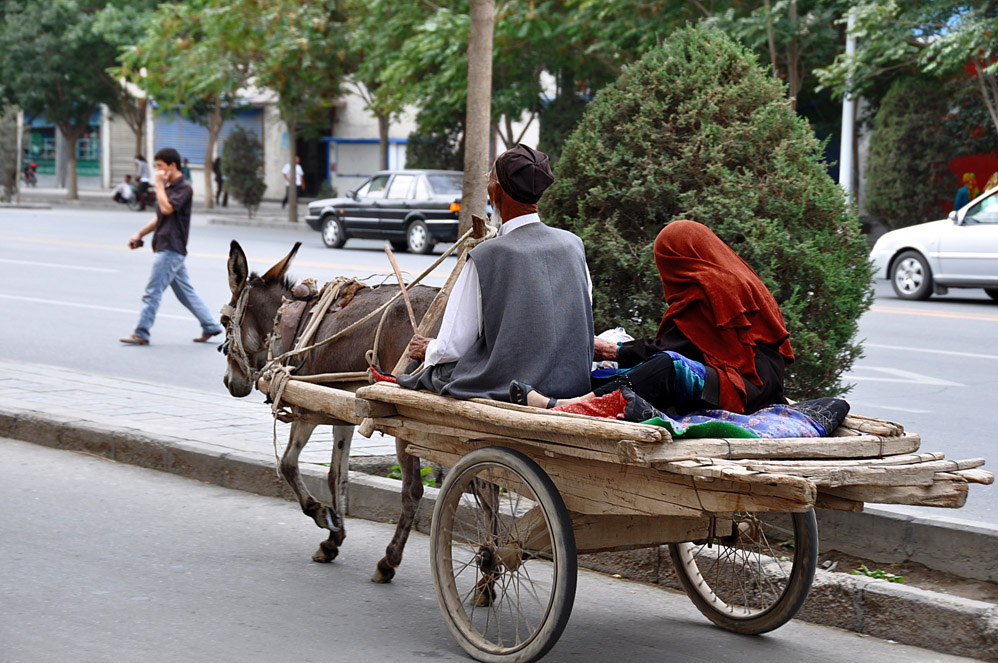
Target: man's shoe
203,338
518,394
134,339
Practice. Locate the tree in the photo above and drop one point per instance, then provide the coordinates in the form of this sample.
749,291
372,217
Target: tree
479,90
8,152
299,52
696,129
192,58
902,190
939,38
52,64
242,163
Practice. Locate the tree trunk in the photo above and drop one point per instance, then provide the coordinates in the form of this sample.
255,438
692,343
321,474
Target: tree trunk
383,125
793,58
989,91
138,128
476,143
771,39
214,129
72,134
293,172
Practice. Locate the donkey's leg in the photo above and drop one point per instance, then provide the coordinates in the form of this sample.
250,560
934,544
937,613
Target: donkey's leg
339,468
323,515
412,491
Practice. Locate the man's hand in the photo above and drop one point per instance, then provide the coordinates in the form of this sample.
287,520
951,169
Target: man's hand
135,241
605,350
162,177
417,346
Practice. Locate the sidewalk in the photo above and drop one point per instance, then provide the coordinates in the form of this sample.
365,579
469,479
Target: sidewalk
215,438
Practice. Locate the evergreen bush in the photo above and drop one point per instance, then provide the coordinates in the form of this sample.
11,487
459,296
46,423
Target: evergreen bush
242,166
697,129
907,179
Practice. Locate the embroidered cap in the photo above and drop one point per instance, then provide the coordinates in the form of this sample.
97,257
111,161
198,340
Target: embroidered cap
524,173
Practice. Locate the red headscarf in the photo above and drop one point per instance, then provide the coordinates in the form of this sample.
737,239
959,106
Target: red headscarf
719,304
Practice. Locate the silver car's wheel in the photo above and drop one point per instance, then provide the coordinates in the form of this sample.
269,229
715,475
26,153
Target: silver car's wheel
418,238
911,276
332,232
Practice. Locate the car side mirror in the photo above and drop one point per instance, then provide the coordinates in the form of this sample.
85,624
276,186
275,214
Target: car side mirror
953,217
353,195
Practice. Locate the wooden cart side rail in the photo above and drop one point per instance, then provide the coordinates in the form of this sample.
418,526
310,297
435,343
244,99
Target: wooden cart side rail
916,474
518,418
941,493
337,403
590,486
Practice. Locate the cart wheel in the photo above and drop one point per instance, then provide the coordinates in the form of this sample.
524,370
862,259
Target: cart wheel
503,556
756,579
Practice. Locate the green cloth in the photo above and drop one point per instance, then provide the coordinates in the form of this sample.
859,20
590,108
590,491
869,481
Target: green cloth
706,429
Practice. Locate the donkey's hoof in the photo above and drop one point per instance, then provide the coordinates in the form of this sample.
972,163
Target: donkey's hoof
483,596
326,553
383,573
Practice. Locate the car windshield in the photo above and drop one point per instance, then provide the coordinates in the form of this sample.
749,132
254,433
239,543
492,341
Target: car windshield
985,211
446,183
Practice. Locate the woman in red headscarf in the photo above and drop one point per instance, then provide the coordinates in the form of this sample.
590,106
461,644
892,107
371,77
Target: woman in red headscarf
722,343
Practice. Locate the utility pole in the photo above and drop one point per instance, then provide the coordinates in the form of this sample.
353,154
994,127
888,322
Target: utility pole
846,155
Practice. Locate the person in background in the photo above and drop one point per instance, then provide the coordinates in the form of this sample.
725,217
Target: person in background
143,176
171,227
299,180
123,192
221,193
185,170
967,192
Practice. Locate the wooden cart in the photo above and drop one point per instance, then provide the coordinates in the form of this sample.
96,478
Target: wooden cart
528,490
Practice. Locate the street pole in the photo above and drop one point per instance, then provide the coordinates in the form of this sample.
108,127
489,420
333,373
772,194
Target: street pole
848,119
20,150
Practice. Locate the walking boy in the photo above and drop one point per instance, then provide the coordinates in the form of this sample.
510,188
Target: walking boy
171,227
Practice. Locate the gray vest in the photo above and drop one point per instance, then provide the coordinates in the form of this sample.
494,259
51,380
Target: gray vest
538,319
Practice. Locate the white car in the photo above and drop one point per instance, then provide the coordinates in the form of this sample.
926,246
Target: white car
958,252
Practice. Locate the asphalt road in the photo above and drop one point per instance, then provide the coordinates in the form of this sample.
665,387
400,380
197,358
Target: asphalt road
69,288
109,562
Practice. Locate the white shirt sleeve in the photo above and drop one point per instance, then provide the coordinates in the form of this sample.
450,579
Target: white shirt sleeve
462,321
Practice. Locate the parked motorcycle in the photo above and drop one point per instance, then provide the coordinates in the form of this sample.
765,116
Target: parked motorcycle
139,201
30,170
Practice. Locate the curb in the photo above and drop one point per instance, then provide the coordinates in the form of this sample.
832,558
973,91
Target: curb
908,615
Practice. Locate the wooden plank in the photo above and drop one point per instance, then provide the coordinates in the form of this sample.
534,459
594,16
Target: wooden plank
831,503
317,398
947,494
539,422
968,476
603,532
870,425
374,409
902,459
859,446
598,487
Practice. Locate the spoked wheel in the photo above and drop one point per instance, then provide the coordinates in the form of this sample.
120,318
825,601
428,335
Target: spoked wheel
757,577
503,556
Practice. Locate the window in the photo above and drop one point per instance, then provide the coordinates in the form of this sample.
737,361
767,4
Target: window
985,211
422,193
446,184
401,186
374,187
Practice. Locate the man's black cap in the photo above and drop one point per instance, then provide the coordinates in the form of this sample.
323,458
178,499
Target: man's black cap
524,173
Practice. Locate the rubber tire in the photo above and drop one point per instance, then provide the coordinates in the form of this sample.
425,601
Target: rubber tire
789,602
992,293
399,245
915,265
417,238
564,560
333,235
133,203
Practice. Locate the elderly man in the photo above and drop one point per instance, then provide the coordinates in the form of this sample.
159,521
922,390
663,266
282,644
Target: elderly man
522,306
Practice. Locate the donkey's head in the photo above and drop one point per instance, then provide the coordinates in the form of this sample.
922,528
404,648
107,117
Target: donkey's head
249,317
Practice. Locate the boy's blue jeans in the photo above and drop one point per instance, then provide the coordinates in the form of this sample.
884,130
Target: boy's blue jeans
168,269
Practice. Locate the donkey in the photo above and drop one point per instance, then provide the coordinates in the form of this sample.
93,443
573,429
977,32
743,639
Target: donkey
249,320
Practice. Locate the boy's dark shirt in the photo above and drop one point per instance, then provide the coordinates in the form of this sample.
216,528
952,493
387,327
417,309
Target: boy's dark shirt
172,230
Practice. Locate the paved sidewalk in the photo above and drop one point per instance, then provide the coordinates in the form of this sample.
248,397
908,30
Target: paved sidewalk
218,421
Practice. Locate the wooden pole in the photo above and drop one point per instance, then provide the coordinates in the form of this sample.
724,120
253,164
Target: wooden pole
405,293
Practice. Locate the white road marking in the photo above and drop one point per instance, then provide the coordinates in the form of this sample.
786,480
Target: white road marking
899,375
52,264
94,307
952,353
864,405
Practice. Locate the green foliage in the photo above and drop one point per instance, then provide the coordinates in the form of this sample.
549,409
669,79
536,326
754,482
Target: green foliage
909,150
877,573
425,473
8,152
697,130
435,145
937,38
242,165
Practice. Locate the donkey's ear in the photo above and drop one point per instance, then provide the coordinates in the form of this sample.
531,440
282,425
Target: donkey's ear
276,272
238,269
